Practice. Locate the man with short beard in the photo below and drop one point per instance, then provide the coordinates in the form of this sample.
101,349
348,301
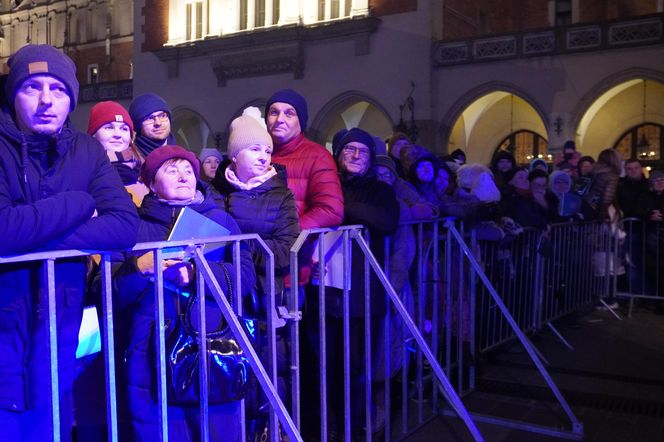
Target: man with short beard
152,121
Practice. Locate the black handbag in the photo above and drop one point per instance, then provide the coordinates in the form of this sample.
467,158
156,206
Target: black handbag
228,367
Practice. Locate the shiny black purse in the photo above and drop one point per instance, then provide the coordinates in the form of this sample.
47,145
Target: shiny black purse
228,367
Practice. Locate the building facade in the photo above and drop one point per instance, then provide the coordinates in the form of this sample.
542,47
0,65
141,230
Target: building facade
97,35
524,75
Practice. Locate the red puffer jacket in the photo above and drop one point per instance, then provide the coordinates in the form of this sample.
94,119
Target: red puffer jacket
313,179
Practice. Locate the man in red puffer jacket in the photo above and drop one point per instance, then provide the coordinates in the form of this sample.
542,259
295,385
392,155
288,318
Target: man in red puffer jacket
312,172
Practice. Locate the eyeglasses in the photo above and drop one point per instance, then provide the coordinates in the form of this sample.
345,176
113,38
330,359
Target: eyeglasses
161,117
352,150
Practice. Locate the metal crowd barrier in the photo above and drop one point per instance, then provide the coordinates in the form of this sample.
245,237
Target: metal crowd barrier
643,251
465,298
205,278
473,295
344,238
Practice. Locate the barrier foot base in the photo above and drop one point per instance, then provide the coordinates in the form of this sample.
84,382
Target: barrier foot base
560,336
610,310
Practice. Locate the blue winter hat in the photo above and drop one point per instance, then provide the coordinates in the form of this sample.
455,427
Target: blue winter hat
294,99
360,136
144,105
33,60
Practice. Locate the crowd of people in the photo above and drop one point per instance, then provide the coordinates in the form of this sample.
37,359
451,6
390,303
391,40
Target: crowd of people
126,181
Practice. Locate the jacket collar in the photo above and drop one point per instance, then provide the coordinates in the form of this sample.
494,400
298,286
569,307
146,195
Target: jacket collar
289,147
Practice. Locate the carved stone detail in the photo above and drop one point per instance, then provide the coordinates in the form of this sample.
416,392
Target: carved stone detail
495,48
264,60
540,43
584,38
643,31
268,51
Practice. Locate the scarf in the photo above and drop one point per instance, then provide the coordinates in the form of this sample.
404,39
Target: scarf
252,182
197,199
146,145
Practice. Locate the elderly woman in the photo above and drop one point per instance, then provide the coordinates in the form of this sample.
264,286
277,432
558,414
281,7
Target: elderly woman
111,125
172,173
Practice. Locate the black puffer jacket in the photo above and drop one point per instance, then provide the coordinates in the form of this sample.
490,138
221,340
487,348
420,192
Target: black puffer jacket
50,187
268,210
137,291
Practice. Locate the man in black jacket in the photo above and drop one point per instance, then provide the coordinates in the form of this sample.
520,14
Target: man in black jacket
373,204
631,188
57,191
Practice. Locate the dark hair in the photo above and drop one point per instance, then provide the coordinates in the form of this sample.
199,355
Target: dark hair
584,159
537,173
632,160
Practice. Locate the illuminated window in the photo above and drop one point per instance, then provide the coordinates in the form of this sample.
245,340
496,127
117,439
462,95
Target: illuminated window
191,20
525,146
196,14
643,142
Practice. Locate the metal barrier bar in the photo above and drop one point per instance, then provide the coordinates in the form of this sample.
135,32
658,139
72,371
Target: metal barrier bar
49,282
161,344
367,344
448,389
577,426
108,333
346,331
203,367
258,369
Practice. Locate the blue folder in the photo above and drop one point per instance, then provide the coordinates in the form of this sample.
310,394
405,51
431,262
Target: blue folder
192,225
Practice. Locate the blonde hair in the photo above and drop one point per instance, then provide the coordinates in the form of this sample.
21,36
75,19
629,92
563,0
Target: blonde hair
611,158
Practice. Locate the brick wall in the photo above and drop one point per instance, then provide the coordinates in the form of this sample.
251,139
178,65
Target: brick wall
597,10
155,27
474,18
387,7
116,70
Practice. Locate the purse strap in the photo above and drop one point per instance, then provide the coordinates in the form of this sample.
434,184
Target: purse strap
190,305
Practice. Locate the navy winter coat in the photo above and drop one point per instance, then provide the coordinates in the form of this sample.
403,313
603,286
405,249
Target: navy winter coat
373,204
50,187
137,291
270,211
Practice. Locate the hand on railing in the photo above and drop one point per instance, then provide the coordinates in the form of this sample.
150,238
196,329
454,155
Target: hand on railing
315,273
176,270
180,273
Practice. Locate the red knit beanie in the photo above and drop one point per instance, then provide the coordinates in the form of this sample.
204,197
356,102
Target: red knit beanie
160,155
108,112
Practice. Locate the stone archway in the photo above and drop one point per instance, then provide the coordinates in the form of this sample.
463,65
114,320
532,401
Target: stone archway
621,103
191,130
348,110
486,116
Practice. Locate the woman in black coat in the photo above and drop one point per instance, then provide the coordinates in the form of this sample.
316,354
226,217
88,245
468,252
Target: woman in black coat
255,193
171,173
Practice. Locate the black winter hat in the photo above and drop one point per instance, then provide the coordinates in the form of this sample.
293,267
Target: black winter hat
294,99
33,60
360,136
510,173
